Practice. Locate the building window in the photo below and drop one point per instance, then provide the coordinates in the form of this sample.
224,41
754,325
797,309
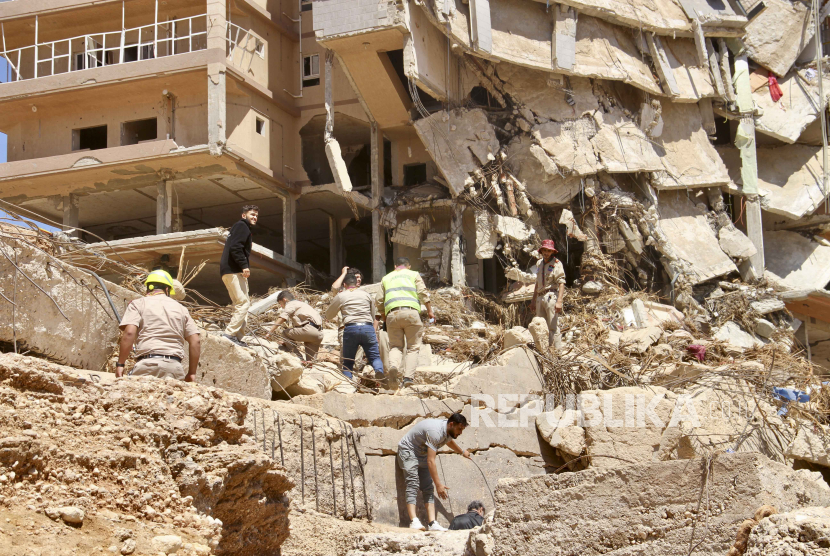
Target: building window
133,133
260,48
311,70
260,126
89,139
306,5
414,174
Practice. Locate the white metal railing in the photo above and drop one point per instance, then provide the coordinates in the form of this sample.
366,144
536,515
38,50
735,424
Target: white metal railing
156,40
243,46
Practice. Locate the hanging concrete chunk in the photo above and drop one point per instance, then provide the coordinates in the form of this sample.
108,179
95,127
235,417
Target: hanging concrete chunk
692,238
789,178
563,42
622,146
459,142
735,243
688,156
796,262
776,37
568,144
480,25
513,228
338,165
666,17
545,95
661,64
787,119
408,233
545,184
486,237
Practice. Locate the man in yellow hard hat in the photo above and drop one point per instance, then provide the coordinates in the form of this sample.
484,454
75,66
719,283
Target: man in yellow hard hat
159,326
403,292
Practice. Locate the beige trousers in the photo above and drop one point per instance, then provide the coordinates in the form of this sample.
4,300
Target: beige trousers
238,289
405,329
310,337
546,308
160,368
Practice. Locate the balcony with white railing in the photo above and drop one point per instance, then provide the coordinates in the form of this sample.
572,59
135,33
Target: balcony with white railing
156,40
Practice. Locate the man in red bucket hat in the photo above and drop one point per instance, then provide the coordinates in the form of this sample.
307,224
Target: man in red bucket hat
550,289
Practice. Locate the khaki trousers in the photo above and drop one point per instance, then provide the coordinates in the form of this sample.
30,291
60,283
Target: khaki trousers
238,289
546,308
310,337
160,368
405,329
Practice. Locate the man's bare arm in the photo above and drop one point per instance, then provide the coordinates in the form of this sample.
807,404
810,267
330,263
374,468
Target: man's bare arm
128,336
194,352
440,488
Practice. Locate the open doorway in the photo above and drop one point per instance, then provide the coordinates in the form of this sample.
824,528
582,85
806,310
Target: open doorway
89,139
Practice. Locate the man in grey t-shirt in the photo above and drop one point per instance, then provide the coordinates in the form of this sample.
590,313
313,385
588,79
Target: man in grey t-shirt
416,457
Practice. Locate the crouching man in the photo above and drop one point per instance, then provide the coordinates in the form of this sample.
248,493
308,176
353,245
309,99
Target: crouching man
159,326
416,457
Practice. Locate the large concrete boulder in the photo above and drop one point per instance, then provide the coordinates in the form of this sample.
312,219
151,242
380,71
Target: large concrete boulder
812,445
516,379
369,410
60,311
646,509
517,336
226,365
446,543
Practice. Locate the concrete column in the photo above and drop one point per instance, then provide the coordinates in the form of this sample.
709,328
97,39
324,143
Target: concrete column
378,232
335,246
289,227
329,96
217,93
164,208
71,214
458,271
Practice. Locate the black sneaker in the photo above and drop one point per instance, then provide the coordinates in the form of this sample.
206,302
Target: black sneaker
235,340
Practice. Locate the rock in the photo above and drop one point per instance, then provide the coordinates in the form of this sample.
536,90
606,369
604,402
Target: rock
284,369
71,514
438,374
52,513
592,288
649,505
128,547
447,543
764,328
735,243
561,432
662,351
538,329
767,306
636,340
437,339
736,337
518,335
169,544
811,446
800,532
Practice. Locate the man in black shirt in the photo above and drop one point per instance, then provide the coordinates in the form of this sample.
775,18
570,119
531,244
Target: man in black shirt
235,272
473,518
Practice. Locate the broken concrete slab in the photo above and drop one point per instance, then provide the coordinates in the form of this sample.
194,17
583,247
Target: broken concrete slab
517,336
766,306
408,233
764,328
796,262
638,340
563,42
460,142
789,178
622,146
736,337
381,410
404,543
225,365
789,117
735,243
650,313
543,93
645,508
518,375
664,18
512,228
486,236
338,166
537,170
776,36
689,159
568,144
811,443
692,238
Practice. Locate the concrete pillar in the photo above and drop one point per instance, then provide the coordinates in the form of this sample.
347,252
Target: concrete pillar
378,232
71,214
164,208
458,271
335,246
289,227
563,42
329,96
217,94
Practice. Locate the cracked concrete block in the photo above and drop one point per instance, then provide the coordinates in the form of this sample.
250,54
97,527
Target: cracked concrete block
568,144
766,306
460,142
546,97
811,446
645,509
796,262
735,243
622,147
225,365
518,374
764,328
638,340
778,35
738,339
338,165
787,119
789,178
383,410
561,431
408,233
486,237
543,181
513,228
691,237
518,335
563,45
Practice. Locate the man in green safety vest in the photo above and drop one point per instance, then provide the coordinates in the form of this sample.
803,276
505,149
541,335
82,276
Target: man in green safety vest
403,292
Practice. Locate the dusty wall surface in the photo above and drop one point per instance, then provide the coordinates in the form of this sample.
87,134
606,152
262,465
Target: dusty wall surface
86,337
646,509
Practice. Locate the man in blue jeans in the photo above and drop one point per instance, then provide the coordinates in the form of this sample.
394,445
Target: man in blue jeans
360,322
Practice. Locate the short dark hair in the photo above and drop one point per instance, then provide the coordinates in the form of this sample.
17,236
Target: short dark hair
350,280
154,286
401,261
354,270
475,505
249,208
457,418
286,295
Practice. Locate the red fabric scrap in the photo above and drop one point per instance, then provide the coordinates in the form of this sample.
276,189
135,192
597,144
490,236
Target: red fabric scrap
698,351
774,89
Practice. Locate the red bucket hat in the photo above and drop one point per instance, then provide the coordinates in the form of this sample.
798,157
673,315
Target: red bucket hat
548,244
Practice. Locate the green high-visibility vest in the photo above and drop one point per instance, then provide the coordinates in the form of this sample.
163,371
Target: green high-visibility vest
399,286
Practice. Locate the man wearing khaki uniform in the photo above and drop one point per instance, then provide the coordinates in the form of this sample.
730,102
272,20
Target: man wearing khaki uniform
159,326
403,292
307,325
549,291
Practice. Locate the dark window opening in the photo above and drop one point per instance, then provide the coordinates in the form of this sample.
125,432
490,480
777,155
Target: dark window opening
723,131
91,138
482,97
260,126
311,82
138,131
387,162
414,174
306,6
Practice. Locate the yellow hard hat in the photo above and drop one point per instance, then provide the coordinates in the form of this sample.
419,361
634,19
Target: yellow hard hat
161,277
